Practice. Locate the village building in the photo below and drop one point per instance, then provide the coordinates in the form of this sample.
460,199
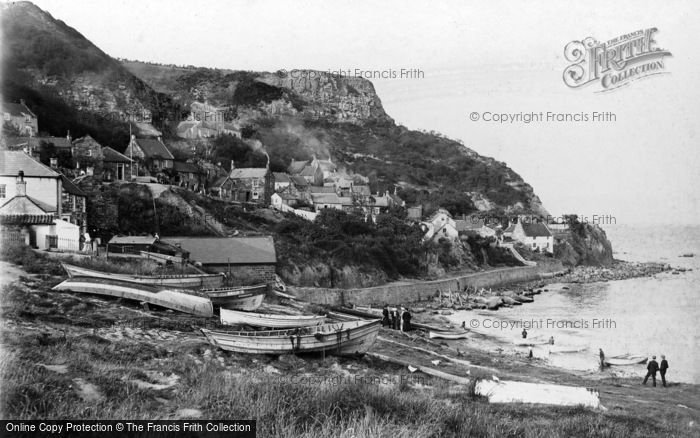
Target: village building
131,244
30,192
282,180
115,166
309,170
475,226
252,184
188,175
20,117
87,154
439,225
415,213
245,260
534,235
221,187
149,155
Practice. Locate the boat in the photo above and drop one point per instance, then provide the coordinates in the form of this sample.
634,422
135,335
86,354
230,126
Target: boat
523,298
625,359
448,335
233,317
180,300
198,281
531,342
567,349
239,297
341,338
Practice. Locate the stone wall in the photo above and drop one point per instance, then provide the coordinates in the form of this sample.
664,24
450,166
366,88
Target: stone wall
401,293
247,274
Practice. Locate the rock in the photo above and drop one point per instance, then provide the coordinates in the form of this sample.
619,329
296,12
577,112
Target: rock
87,391
187,413
60,369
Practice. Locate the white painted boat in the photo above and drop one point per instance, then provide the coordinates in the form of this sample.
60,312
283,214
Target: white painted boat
448,335
341,338
181,281
233,317
240,298
181,300
625,359
500,391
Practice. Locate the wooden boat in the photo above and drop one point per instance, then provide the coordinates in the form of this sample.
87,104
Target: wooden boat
567,349
181,281
181,300
233,317
447,335
523,298
341,338
531,342
239,297
625,359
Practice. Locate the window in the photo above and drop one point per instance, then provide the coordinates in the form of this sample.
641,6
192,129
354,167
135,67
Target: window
89,153
2,191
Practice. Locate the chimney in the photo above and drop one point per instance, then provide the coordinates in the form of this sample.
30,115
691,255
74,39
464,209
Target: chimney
68,136
159,139
233,165
267,166
21,184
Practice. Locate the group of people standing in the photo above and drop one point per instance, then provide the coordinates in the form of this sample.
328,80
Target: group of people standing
653,367
398,318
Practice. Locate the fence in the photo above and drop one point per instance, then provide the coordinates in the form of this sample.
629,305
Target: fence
63,244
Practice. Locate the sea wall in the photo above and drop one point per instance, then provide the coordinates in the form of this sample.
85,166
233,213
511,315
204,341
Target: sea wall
404,292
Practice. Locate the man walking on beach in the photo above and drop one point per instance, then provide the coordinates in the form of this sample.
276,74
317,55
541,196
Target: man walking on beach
652,368
662,369
602,359
524,333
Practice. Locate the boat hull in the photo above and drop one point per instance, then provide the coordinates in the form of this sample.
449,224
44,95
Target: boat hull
232,317
625,361
168,298
246,301
197,281
447,335
347,338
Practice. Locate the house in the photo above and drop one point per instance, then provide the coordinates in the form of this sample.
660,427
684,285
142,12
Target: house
221,187
189,175
282,181
149,154
131,244
328,168
475,226
30,193
309,170
440,225
534,235
87,154
246,260
20,117
415,213
252,184
322,201
115,166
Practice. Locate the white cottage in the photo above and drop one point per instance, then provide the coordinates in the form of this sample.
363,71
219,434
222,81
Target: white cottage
534,235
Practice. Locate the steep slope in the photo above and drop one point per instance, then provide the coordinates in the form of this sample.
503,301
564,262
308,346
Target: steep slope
69,82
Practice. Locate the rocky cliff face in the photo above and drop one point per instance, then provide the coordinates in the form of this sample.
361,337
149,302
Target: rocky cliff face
339,98
585,244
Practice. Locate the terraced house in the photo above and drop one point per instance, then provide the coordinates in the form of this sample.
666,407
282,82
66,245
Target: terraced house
150,155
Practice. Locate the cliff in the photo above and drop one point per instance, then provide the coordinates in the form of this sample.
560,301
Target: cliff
585,244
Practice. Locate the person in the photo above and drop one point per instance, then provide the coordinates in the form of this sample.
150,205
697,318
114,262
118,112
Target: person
464,325
662,369
602,359
406,321
652,368
403,310
391,319
551,340
385,316
529,356
396,319
524,333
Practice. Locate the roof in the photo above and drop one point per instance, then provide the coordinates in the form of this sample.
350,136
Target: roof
151,147
24,210
85,138
71,188
297,166
281,177
11,162
132,240
510,228
327,165
536,230
299,181
381,201
324,189
438,212
112,156
179,166
59,142
224,250
362,190
461,225
326,198
219,181
17,109
248,172
346,200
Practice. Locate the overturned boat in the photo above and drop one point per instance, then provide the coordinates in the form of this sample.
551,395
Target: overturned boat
238,297
198,281
341,338
233,317
448,335
180,300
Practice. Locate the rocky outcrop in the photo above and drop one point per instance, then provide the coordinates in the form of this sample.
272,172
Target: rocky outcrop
585,244
340,98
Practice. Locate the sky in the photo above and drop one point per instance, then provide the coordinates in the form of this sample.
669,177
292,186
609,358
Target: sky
479,57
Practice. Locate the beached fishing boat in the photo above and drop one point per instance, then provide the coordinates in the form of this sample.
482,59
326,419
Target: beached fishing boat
448,335
181,300
341,338
530,342
567,349
197,281
238,298
233,317
625,359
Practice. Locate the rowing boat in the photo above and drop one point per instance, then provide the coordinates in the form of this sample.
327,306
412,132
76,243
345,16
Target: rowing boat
239,297
181,300
341,338
447,335
530,342
625,359
180,281
233,317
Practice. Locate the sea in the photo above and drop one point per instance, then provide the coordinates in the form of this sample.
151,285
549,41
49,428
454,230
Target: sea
647,317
